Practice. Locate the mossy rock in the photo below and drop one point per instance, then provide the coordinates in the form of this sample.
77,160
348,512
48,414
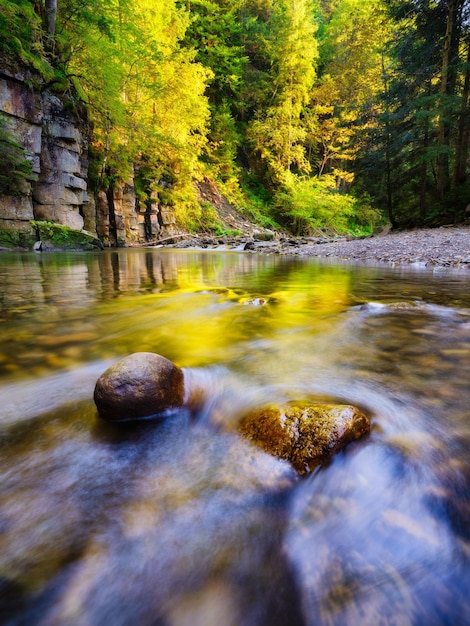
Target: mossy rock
17,239
304,434
56,237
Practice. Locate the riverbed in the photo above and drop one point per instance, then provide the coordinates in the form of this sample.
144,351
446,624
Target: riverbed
180,520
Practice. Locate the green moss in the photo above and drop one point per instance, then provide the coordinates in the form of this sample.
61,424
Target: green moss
16,239
227,232
55,236
21,36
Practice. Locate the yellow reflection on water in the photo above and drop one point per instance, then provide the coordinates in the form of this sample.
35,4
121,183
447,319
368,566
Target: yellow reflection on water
194,308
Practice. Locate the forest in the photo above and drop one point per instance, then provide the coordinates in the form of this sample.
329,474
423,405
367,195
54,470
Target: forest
340,115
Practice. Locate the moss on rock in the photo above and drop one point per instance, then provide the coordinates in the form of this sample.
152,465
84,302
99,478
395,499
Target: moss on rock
58,237
17,239
304,434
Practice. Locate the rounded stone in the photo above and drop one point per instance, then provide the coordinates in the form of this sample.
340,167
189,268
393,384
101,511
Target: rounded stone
139,385
305,434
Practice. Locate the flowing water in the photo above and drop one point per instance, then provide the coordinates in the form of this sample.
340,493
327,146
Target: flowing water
180,521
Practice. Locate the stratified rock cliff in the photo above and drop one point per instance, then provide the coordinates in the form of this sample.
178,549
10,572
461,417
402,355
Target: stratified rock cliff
54,134
55,140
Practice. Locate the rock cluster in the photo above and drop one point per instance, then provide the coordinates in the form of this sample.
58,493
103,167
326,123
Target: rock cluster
445,247
145,384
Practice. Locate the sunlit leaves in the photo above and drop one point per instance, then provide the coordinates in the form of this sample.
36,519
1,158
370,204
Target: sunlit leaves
352,58
277,132
309,205
144,90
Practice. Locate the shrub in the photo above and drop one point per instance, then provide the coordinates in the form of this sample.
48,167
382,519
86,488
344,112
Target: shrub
307,205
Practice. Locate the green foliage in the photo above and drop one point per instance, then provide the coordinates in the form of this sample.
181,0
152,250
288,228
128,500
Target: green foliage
277,133
22,37
411,162
258,203
144,91
227,232
15,169
307,113
214,32
198,217
221,149
308,205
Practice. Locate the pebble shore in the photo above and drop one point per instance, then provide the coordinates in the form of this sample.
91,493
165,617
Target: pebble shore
445,247
436,247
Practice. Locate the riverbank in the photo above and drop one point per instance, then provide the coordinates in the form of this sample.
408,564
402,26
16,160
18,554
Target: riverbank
448,246
434,247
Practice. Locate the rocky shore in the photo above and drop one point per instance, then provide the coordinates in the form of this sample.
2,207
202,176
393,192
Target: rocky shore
445,247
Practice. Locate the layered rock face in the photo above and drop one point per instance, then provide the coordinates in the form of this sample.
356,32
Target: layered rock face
121,219
61,189
22,107
55,141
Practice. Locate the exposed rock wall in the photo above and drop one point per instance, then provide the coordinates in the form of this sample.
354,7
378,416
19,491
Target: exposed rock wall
121,219
60,192
55,141
22,107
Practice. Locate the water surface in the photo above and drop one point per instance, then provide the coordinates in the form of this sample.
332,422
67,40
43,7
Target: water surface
183,522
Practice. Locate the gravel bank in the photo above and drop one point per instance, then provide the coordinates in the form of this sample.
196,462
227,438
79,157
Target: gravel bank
437,247
445,247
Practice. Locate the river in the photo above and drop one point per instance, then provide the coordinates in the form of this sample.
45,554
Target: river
180,521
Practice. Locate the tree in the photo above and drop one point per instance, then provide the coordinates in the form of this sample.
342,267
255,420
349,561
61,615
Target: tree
351,77
420,141
462,147
144,91
277,133
50,15
448,84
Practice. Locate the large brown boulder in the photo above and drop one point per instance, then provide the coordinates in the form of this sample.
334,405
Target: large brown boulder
304,434
140,385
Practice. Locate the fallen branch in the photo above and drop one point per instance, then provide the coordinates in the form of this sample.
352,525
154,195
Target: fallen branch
157,241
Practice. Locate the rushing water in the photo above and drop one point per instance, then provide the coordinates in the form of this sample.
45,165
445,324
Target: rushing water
182,522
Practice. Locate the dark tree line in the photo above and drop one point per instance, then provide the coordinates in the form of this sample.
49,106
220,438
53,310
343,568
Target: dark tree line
421,142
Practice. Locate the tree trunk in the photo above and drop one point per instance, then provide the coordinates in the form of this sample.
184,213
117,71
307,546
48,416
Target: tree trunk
447,88
462,148
50,16
113,239
423,175
388,158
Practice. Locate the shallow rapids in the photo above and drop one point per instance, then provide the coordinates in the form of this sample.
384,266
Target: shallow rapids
180,521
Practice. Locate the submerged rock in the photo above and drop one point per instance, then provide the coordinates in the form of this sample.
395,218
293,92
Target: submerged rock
304,434
139,385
